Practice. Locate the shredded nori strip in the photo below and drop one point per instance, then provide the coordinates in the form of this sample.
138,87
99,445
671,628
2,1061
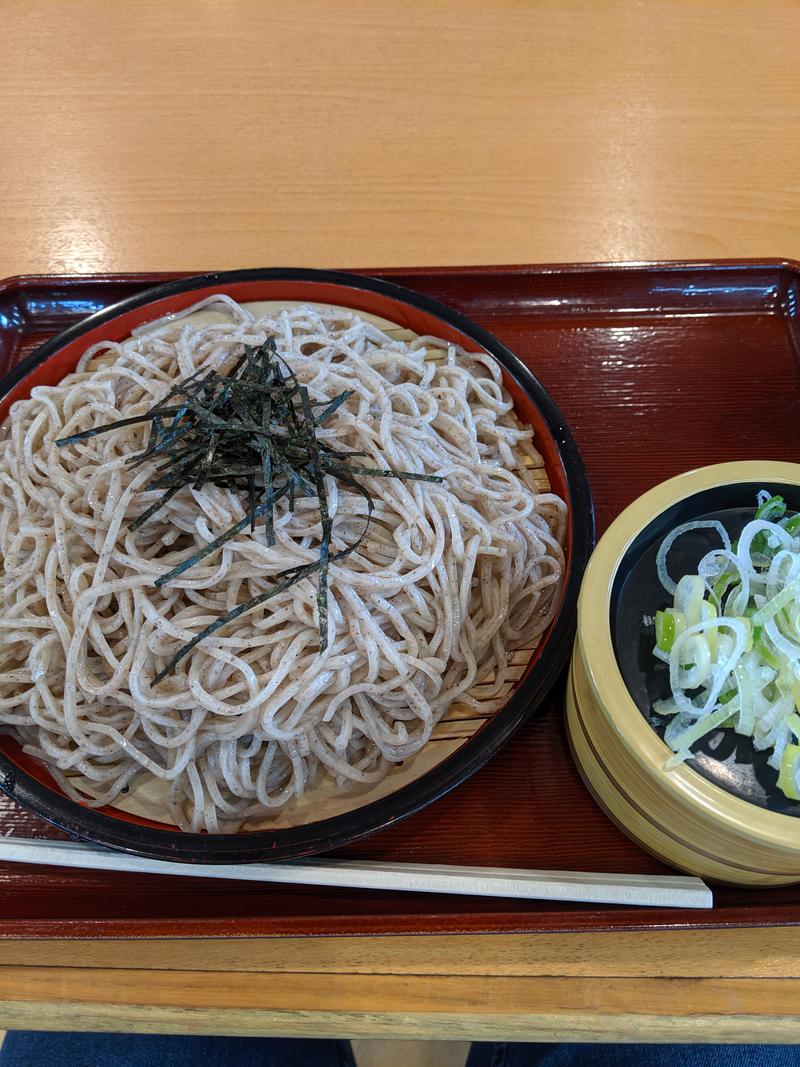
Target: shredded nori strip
252,431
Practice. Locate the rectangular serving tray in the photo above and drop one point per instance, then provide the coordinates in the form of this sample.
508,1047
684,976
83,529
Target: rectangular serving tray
658,368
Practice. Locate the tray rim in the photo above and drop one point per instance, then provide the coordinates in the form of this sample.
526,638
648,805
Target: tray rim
573,267
735,915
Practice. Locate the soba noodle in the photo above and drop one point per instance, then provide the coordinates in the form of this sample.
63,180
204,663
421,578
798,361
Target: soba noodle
450,579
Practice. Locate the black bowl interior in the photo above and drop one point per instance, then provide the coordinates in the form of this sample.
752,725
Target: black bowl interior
723,756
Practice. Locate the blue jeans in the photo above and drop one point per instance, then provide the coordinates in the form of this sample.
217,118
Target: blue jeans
28,1048
506,1054
25,1048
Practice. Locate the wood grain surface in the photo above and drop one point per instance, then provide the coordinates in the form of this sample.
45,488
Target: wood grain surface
300,132
742,953
733,985
409,1006
223,134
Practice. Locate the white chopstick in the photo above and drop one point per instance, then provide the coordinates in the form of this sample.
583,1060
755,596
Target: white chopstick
660,890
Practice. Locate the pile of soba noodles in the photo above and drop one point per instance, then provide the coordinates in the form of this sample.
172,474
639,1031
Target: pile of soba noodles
449,580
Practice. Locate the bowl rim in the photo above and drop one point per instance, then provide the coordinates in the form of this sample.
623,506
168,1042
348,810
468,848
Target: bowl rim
293,842
609,691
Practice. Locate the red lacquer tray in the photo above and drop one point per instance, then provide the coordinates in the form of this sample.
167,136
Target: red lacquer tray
658,368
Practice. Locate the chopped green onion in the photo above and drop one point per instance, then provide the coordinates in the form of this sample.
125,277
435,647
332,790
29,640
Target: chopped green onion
744,669
771,509
786,777
779,601
692,734
665,630
719,587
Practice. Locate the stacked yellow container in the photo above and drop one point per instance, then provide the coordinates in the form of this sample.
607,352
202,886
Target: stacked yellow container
679,815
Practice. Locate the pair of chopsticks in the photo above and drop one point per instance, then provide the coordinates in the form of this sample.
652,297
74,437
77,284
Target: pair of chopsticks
662,891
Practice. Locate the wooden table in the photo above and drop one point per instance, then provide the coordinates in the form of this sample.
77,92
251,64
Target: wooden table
195,135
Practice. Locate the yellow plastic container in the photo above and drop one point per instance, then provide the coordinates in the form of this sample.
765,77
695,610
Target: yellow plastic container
679,815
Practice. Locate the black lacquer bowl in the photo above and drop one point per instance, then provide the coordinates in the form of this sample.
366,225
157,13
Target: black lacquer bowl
325,826
724,757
